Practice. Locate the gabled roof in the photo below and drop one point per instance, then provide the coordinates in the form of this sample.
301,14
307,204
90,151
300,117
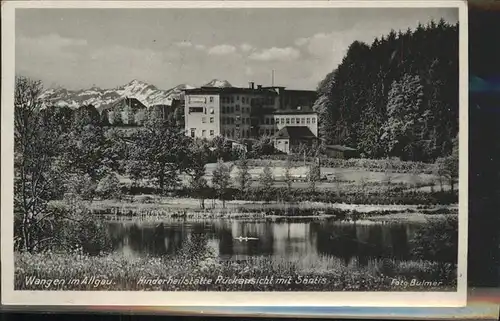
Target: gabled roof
132,102
294,132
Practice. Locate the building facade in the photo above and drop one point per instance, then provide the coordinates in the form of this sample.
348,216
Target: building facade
247,113
126,111
289,139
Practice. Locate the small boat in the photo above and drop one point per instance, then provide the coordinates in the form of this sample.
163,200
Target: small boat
241,238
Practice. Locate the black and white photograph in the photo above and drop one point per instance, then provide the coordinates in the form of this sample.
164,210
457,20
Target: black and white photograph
234,150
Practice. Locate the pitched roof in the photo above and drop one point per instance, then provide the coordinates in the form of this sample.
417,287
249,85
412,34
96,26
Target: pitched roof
132,102
294,132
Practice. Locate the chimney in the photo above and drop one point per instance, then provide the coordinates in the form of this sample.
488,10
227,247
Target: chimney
259,86
251,85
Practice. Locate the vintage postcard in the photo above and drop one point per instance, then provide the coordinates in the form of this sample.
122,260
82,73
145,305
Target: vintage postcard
234,153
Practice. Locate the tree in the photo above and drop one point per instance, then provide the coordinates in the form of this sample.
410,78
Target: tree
244,179
199,185
447,167
109,187
222,148
196,170
404,126
158,154
313,175
453,163
266,181
105,118
116,151
388,171
264,146
288,175
87,115
221,181
37,168
353,99
88,151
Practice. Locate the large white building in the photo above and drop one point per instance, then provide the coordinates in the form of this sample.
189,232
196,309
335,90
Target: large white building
246,113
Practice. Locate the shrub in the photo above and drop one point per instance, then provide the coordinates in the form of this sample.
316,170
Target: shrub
109,187
81,187
74,227
437,241
266,181
375,165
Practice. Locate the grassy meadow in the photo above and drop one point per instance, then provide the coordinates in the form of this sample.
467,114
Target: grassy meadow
115,272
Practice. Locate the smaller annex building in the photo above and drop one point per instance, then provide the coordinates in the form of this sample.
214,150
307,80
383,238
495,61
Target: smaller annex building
288,138
339,151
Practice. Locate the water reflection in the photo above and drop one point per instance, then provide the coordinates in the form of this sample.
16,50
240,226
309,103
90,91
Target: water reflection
341,240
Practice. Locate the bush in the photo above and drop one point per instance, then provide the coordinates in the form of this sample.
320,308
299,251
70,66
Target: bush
329,196
263,147
81,187
75,228
109,187
437,241
375,165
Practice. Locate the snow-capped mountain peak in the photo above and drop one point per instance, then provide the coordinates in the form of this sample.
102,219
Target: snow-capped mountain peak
218,83
146,93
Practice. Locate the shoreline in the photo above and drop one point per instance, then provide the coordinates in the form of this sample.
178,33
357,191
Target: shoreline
188,209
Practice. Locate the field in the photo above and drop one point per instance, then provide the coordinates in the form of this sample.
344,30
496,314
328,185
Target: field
333,178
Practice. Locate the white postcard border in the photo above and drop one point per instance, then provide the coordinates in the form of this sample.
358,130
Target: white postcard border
158,298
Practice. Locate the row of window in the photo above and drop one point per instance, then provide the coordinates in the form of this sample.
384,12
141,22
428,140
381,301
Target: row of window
247,100
289,120
200,100
203,132
245,133
292,120
266,131
230,99
201,110
231,133
269,101
268,121
237,120
204,120
233,109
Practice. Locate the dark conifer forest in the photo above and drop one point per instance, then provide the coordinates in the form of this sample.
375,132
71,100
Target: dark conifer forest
395,97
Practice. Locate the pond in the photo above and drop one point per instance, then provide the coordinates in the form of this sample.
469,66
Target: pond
342,240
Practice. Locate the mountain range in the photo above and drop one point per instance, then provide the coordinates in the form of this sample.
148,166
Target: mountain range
148,94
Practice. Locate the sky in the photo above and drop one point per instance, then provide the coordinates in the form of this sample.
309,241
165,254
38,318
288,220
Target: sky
81,48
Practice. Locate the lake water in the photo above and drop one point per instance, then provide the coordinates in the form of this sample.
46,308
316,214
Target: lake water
342,240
